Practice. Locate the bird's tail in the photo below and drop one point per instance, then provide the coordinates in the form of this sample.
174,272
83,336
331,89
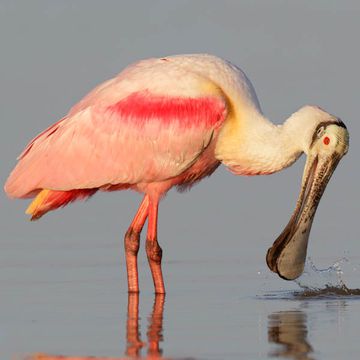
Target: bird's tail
47,200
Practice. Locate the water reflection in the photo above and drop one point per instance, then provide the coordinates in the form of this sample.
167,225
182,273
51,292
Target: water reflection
134,344
289,329
154,333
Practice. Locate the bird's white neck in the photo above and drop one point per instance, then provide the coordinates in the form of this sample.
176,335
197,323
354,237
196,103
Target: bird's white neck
250,144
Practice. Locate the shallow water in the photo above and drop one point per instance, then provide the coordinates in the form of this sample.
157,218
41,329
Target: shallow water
60,303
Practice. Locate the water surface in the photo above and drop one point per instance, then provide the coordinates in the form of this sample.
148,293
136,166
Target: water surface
62,304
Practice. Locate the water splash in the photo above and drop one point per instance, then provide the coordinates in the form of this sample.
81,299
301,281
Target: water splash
327,282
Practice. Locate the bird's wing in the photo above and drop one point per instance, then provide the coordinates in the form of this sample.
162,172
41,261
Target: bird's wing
141,138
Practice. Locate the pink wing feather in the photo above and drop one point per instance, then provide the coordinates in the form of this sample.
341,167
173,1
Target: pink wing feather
140,138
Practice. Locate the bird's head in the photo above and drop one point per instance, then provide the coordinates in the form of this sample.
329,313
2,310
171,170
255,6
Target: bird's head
325,141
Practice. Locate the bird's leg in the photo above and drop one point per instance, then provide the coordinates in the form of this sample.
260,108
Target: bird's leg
132,243
153,250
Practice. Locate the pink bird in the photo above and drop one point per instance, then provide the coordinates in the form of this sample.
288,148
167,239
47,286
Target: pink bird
170,122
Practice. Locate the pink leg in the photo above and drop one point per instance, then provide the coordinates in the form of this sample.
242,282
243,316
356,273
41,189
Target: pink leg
153,250
132,243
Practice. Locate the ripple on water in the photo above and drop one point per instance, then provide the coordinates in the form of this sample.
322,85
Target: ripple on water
319,284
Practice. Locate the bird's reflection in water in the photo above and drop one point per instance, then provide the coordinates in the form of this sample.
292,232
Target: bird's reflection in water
289,329
134,344
154,333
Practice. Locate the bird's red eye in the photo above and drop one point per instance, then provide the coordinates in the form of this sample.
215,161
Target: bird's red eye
326,140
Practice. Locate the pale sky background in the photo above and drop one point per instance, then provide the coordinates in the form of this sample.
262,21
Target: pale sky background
295,53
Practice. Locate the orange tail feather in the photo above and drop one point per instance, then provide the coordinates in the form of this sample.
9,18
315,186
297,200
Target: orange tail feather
48,200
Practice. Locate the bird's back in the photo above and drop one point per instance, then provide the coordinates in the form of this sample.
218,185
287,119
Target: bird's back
190,75
148,124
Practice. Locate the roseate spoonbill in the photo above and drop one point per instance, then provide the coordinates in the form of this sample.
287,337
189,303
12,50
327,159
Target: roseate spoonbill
170,122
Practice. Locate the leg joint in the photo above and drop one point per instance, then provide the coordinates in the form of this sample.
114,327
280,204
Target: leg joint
132,242
153,251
